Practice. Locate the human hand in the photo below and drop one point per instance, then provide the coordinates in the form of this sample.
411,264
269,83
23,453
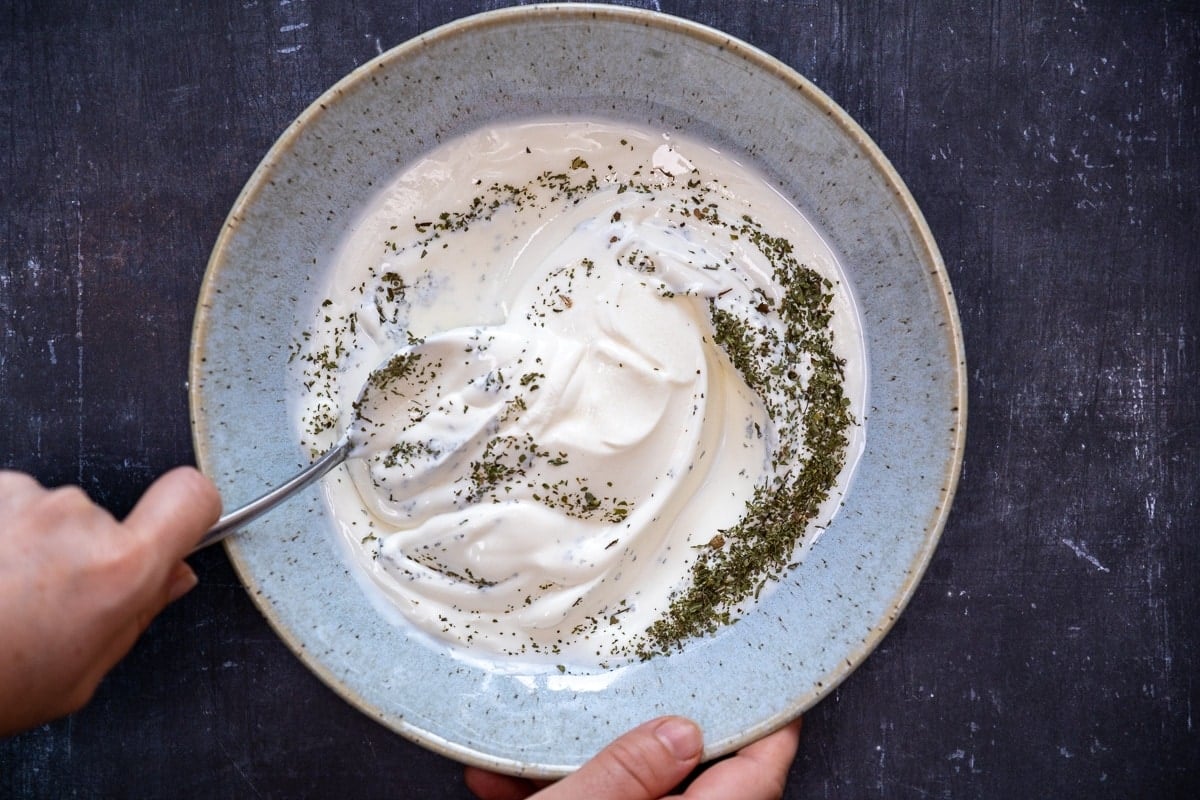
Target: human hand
650,761
77,587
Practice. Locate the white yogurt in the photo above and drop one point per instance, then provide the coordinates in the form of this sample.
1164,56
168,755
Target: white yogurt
585,439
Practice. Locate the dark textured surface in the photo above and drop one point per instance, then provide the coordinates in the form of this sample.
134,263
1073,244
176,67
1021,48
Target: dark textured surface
1051,650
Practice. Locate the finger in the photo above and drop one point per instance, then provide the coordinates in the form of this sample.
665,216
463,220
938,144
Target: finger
758,772
17,489
179,582
644,764
176,511
183,579
64,517
493,786
171,516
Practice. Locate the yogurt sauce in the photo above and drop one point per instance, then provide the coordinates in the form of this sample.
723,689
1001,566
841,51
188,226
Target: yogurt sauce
645,344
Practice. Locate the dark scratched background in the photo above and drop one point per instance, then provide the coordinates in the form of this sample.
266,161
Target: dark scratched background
1051,650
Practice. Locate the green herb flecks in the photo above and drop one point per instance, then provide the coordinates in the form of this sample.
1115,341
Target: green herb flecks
812,416
574,497
404,453
504,461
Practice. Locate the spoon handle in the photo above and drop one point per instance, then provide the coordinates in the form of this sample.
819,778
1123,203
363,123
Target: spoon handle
234,520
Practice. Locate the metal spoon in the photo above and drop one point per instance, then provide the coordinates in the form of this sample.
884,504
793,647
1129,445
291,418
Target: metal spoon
397,394
234,520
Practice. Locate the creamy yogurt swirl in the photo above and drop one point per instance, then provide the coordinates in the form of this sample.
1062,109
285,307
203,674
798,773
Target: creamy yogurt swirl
589,438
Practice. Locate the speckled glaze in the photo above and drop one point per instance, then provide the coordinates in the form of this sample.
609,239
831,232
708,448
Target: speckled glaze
655,70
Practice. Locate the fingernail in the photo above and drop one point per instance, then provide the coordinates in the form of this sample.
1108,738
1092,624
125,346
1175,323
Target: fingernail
682,737
182,582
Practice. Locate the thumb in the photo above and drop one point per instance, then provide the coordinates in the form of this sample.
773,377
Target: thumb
644,764
176,511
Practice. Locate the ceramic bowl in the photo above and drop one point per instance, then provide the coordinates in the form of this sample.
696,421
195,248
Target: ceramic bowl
827,615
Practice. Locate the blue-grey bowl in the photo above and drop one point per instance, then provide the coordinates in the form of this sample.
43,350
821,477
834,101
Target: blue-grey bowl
828,614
